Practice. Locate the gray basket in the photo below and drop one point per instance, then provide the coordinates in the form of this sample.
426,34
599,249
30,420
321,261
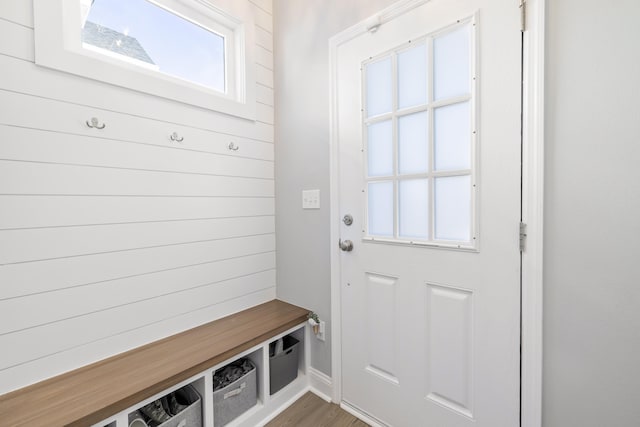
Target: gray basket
191,416
283,367
235,399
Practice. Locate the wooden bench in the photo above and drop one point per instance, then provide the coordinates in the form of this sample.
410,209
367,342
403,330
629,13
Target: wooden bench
95,392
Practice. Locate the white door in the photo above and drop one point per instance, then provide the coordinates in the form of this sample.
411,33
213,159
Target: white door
429,163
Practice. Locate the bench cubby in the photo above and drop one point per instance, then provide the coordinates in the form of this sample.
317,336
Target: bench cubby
105,393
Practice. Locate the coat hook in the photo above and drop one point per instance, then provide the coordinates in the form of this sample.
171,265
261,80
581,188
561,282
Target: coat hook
94,123
175,137
233,146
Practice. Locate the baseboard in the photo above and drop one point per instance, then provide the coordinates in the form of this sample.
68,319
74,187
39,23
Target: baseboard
361,415
321,384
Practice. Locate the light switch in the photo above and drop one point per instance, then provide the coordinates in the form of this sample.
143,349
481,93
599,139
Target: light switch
311,199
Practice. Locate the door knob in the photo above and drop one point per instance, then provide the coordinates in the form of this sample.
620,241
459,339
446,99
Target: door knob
346,246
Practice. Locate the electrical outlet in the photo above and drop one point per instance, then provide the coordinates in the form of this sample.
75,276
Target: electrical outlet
321,331
311,199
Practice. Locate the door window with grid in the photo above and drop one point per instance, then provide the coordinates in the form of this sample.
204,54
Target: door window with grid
419,141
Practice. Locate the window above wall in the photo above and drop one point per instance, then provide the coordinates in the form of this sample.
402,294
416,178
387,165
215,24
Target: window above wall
198,52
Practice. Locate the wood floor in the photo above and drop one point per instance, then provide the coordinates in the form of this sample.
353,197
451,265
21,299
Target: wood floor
311,411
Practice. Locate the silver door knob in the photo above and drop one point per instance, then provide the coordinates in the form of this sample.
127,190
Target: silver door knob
346,246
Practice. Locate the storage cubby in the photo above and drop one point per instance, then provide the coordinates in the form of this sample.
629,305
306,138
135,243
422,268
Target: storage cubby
264,405
235,389
179,407
283,362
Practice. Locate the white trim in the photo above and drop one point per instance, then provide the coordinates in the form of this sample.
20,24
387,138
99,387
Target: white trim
533,179
361,415
321,384
532,214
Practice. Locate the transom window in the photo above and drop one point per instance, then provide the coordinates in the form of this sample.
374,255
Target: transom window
197,52
143,33
419,130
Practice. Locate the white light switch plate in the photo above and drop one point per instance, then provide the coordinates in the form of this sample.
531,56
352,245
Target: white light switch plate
311,199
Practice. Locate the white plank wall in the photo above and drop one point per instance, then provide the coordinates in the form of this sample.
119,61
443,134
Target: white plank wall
113,238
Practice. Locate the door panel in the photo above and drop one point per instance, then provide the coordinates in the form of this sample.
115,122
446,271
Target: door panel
449,347
430,171
381,318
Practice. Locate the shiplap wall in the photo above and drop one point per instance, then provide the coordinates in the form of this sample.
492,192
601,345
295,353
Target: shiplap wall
113,238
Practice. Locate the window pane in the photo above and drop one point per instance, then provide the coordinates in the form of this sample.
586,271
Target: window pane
413,196
379,87
380,209
142,33
413,143
380,149
452,137
453,208
451,53
412,77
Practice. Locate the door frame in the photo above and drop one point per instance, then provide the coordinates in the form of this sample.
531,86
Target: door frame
532,200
